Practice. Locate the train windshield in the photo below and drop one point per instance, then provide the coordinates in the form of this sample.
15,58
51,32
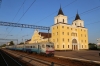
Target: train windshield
52,46
47,45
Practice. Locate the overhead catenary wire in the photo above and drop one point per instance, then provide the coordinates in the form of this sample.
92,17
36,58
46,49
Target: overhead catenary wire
55,12
16,14
74,16
23,15
89,11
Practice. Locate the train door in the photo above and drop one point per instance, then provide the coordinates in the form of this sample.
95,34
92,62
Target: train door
39,48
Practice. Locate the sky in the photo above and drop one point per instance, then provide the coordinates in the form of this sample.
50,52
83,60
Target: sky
42,13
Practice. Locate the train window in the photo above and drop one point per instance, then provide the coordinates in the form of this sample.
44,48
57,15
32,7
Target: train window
47,45
31,46
43,46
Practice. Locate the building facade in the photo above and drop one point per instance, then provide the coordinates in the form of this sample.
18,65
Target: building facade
69,37
63,35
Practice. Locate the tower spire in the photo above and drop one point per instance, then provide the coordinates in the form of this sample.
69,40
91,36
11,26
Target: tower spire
77,16
60,11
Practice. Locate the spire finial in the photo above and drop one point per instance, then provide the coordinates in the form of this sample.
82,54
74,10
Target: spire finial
77,16
60,11
77,11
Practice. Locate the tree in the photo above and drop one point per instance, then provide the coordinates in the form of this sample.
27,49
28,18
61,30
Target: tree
92,46
3,45
21,43
11,43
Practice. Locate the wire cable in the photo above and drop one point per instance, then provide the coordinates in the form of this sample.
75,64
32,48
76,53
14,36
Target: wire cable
17,13
55,12
23,15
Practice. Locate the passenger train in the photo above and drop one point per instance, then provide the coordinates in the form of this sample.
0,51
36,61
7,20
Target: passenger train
46,48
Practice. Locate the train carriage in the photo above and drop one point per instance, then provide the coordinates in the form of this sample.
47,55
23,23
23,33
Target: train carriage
40,48
19,47
46,48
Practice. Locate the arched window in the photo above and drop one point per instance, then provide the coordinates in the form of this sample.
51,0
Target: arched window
57,20
63,20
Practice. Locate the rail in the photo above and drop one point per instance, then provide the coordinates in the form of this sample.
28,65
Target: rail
13,59
4,59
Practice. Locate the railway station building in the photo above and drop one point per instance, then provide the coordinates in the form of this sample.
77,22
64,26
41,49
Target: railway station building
65,36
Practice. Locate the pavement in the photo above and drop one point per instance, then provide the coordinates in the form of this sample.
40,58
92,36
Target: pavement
90,55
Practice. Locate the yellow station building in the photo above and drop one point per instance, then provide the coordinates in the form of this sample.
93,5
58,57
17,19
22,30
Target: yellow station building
63,35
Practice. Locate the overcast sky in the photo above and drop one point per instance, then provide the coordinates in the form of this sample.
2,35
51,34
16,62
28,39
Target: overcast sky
42,13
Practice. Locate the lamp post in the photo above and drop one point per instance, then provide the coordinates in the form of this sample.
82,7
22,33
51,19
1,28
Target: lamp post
98,41
23,36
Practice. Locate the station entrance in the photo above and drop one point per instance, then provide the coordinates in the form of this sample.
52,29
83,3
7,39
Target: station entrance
74,44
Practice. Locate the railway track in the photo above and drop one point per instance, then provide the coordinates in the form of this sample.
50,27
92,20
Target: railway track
34,61
38,60
2,60
6,60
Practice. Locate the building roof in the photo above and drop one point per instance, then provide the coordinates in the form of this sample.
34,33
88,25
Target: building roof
60,12
28,40
45,35
77,17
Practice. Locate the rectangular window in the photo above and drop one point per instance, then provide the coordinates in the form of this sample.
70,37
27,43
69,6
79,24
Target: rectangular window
57,27
68,33
68,40
62,33
57,33
85,41
71,28
85,35
81,40
68,46
76,34
82,46
63,46
67,27
85,46
63,39
57,39
62,26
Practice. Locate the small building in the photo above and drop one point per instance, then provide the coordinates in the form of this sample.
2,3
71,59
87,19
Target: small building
40,37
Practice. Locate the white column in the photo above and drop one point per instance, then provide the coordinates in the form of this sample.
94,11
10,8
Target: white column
78,46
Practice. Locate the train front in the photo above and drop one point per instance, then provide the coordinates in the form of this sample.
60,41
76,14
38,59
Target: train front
50,49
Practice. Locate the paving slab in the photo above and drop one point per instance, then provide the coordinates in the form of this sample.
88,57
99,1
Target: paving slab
88,55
